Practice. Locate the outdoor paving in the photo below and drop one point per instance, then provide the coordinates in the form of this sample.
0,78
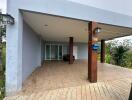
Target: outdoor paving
61,81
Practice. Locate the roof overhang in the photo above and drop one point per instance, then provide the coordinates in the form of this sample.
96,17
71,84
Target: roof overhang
57,28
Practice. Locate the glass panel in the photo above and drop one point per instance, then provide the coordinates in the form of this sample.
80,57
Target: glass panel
48,52
60,51
54,52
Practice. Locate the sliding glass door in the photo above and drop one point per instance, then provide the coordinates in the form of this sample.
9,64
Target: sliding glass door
60,52
47,52
53,52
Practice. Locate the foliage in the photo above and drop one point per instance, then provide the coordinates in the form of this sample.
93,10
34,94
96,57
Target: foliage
118,54
2,86
108,58
108,53
2,28
3,58
1,17
2,76
127,60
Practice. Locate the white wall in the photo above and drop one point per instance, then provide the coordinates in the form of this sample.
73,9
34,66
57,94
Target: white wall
42,50
79,11
31,51
82,50
21,58
14,55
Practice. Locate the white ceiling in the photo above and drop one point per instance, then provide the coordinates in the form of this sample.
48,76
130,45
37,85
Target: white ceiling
54,28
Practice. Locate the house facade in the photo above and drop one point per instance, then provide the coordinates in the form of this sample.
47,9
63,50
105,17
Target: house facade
42,29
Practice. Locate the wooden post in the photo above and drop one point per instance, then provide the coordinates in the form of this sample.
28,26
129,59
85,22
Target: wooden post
102,55
130,94
92,54
70,50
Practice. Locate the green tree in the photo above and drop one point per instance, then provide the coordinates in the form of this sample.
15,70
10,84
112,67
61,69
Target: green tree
115,51
118,54
108,53
127,60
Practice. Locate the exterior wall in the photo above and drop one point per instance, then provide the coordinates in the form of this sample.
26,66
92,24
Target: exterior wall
76,10
14,55
82,49
19,59
111,5
31,56
42,50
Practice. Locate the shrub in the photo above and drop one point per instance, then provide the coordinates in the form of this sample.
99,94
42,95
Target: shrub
108,58
3,58
108,53
127,60
118,54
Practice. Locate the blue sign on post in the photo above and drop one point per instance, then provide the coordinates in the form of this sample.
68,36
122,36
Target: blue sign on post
95,47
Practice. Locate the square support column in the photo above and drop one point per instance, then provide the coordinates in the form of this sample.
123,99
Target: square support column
92,54
70,50
102,55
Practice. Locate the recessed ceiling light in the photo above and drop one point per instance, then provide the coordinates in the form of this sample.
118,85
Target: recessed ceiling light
45,25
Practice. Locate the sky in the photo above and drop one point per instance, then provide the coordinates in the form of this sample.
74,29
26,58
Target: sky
3,7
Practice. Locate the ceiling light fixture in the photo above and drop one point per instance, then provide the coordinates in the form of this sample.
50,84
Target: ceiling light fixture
45,25
97,30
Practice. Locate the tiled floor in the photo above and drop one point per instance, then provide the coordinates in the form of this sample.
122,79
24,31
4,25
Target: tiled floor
61,80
